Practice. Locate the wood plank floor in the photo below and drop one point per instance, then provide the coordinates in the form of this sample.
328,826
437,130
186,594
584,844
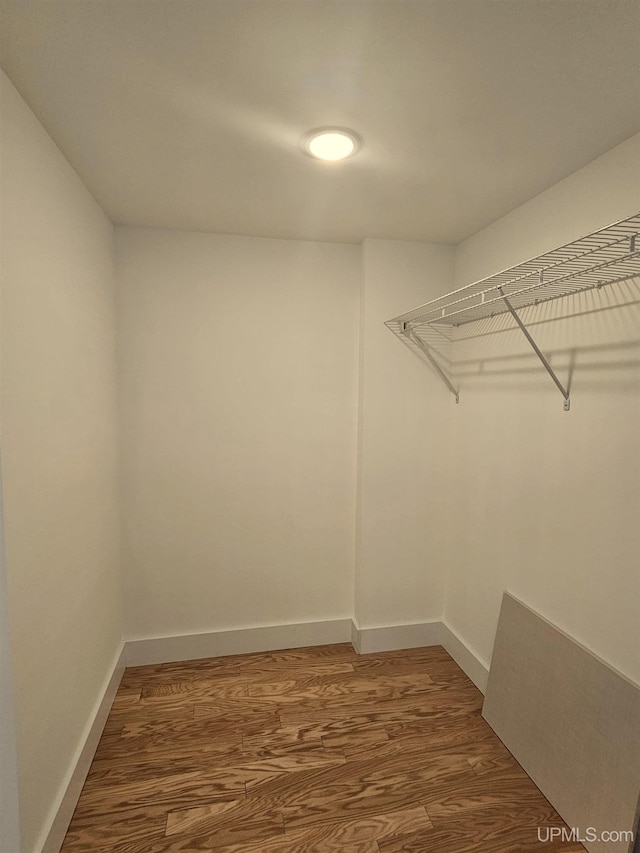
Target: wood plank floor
306,751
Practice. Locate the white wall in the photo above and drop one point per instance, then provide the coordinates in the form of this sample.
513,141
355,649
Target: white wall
238,369
59,455
545,502
241,408
9,799
599,194
403,443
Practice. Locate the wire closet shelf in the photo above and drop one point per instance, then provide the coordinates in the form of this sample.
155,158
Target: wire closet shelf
605,257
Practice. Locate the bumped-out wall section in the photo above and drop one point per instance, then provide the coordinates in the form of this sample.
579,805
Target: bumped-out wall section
401,529
255,375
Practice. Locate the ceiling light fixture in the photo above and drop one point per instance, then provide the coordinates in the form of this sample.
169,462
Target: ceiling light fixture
331,143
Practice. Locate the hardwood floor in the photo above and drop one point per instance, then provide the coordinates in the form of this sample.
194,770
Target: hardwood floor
306,751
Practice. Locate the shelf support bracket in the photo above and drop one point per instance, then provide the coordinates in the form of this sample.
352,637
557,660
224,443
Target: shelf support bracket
408,333
536,349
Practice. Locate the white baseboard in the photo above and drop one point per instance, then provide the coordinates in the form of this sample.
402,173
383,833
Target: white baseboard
140,652
388,638
466,659
355,637
236,642
61,814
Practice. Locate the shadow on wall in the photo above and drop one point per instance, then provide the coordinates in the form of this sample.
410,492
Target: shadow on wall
606,366
593,337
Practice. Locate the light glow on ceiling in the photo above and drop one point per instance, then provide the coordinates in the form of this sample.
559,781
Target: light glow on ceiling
331,143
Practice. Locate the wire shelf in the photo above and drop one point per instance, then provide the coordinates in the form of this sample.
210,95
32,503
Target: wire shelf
605,257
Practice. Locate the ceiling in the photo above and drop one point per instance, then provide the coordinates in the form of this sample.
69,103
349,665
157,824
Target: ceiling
188,114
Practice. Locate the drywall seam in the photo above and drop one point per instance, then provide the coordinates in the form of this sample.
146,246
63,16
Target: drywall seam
62,811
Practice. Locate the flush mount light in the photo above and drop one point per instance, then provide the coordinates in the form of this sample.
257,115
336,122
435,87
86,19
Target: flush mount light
331,143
